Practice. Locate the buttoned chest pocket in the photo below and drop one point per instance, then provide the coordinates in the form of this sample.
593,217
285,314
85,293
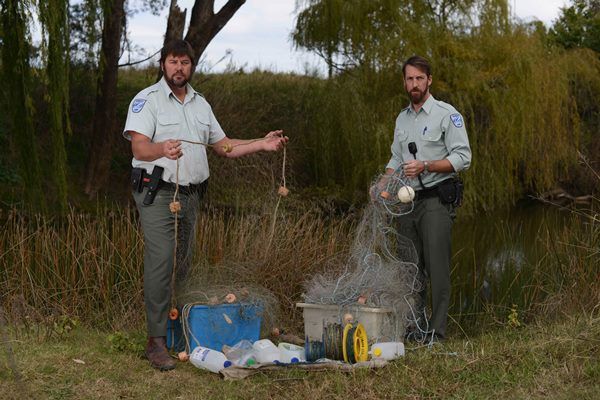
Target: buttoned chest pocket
433,135
432,143
167,126
400,135
202,127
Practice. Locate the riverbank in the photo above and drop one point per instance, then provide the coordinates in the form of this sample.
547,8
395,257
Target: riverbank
541,360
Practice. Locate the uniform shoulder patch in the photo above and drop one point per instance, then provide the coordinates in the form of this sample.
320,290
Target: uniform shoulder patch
138,105
457,120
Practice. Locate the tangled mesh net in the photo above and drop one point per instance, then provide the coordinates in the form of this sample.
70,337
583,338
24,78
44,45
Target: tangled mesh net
381,270
196,291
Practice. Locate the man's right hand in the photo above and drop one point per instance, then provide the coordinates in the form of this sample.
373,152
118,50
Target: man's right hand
171,149
144,149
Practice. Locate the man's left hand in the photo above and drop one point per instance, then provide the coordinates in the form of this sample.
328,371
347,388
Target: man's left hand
274,140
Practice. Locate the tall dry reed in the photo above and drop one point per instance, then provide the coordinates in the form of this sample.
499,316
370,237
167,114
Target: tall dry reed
90,267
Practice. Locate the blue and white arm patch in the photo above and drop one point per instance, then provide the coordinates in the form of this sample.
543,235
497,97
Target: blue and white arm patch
137,105
457,120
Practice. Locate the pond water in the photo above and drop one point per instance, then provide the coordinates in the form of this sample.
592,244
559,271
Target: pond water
495,255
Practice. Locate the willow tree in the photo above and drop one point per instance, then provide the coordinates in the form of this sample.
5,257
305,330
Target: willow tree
16,73
370,33
54,20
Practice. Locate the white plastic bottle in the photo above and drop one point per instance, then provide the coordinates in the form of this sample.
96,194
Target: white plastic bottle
211,360
266,351
290,353
387,350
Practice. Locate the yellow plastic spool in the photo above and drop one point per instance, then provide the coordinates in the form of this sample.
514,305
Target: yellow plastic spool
355,346
361,345
344,341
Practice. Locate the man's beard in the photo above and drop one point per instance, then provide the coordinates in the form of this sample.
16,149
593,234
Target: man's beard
417,96
177,83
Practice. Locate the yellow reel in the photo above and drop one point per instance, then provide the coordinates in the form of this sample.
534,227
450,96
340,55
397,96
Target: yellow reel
355,346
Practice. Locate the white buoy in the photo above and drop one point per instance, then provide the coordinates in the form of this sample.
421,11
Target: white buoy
406,194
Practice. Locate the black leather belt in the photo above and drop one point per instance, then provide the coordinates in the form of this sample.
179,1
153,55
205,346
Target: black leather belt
185,189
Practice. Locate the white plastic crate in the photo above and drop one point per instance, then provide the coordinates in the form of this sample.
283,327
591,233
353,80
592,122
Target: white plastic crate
317,316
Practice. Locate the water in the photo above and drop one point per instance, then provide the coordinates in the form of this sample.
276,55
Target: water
495,255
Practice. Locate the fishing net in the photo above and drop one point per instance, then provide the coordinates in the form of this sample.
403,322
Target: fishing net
381,270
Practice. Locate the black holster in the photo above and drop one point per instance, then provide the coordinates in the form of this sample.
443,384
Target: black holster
140,179
451,192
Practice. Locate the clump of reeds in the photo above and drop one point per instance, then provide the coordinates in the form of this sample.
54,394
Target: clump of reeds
90,267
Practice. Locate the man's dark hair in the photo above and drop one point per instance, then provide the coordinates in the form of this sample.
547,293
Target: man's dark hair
422,64
177,48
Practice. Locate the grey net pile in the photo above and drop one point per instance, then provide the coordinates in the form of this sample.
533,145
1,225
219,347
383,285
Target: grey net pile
382,267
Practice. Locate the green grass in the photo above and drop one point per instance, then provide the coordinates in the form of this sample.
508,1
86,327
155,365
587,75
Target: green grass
559,361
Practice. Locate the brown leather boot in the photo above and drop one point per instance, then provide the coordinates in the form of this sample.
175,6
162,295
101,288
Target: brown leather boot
157,354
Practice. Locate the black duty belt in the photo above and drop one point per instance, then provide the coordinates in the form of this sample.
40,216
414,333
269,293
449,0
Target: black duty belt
429,192
426,193
185,189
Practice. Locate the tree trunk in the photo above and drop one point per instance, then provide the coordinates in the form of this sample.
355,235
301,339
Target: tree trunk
175,23
106,108
204,23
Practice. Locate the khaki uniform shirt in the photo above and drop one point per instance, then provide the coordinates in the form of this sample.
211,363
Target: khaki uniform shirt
158,114
439,132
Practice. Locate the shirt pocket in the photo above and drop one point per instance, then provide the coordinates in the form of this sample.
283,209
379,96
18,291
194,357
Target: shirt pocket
433,135
202,127
400,135
432,145
168,125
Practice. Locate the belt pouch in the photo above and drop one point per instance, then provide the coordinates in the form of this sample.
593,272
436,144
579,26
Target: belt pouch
451,191
137,179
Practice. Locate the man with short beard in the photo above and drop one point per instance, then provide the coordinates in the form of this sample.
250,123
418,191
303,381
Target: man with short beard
162,121
431,146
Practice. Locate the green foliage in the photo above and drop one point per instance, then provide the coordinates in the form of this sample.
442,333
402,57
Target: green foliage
54,19
378,33
64,325
16,74
578,26
513,317
123,342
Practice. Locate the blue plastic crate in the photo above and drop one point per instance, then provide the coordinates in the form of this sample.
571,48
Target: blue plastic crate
215,326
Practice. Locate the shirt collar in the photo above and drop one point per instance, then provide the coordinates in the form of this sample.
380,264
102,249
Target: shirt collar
427,106
189,93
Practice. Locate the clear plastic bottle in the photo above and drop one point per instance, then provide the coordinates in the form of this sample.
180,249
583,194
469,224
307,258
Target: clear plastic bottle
266,351
241,353
209,359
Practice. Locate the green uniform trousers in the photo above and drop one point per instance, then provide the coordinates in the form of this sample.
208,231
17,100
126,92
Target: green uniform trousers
158,226
429,227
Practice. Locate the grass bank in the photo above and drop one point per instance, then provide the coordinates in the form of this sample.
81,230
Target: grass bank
558,361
